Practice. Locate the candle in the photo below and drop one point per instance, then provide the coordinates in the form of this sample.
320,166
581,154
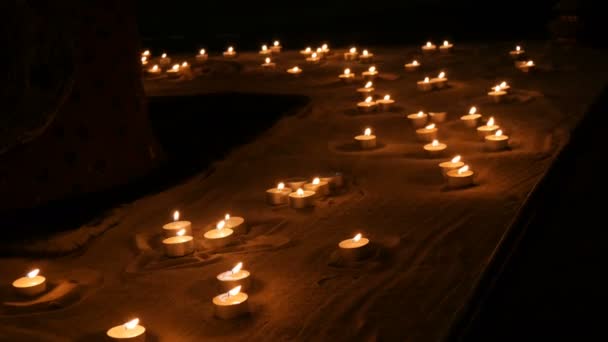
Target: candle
236,223
325,49
438,117
429,47
174,71
265,51
146,53
220,236
301,199
155,70
453,164
230,53
31,285
418,120
440,81
385,103
171,229
268,64
526,66
460,178
367,90
497,141
497,94
320,187
487,129
278,195
179,245
296,71
368,105
472,119
355,249
164,60
367,140
427,134
306,52
366,57
184,68
130,331
313,59
351,55
517,52
505,86
335,180
435,148
231,304
202,55
425,85
144,60
371,73
295,183
413,66
347,76
237,276
446,46
276,47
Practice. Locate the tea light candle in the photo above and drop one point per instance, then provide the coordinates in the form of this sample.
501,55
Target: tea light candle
306,52
487,129
438,117
497,141
31,285
296,71
472,119
440,81
427,134
237,276
313,59
171,229
413,66
418,120
526,66
371,73
453,164
347,76
366,57
355,249
435,148
460,178
335,180
235,223
268,64
369,105
184,68
517,52
130,331
497,94
505,86
367,90
385,103
446,46
320,187
325,49
231,304
144,60
220,236
155,70
265,51
278,195
146,54
202,55
301,199
367,140
351,55
164,60
174,71
425,85
276,47
179,245
429,47
230,53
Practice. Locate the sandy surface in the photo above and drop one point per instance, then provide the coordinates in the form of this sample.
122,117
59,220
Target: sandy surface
431,243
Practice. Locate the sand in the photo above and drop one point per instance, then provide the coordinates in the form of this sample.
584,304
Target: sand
430,244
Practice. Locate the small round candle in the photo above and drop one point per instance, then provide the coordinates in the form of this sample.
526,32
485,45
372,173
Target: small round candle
351,55
497,141
306,52
438,117
184,68
385,103
171,229
146,53
231,304
347,76
413,66
296,71
505,86
367,90
366,57
472,119
526,66
418,120
320,187
174,71
144,60
276,47
313,59
202,55
497,94
453,164
368,105
278,195
220,236
440,81
235,223
179,245
517,52
371,73
367,140
435,148
425,85
325,49
487,129
460,178
33,284
264,51
237,276
154,70
164,60
130,331
429,47
230,53
355,249
446,46
427,134
268,64
301,199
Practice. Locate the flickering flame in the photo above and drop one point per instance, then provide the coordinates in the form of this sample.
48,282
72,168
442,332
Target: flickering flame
264,47
316,181
473,110
357,238
518,48
372,69
319,50
463,169
426,80
144,59
220,225
164,55
280,186
353,49
234,291
181,232
227,217
368,84
295,69
446,43
490,122
237,268
530,63
267,60
456,159
276,43
176,215
230,49
307,49
324,46
441,75
368,99
300,192
498,133
33,273
175,67
504,84
415,62
155,67
431,126
314,55
420,114
428,44
131,324
146,53
365,53
202,52
347,71
387,97
497,88
184,64
435,143
367,132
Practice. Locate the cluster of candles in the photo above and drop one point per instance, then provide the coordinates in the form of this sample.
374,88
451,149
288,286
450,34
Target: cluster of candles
499,92
428,84
525,65
430,47
301,193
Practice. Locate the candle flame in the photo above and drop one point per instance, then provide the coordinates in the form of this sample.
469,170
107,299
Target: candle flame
498,133
431,126
230,49
347,71
319,50
473,110
414,62
372,69
426,80
300,192
324,46
184,64
420,114
368,84
295,68
530,63
155,67
146,53
307,49
131,324
367,132
503,84
181,232
267,60
201,52
276,43
164,55
456,159
353,49
237,268
220,225
33,273
368,99
234,291
264,47
316,181
387,97
446,43
281,186
428,44
490,122
314,55
365,52
463,169
518,48
497,88
357,237
435,143
176,215
227,217
175,67
441,74
144,59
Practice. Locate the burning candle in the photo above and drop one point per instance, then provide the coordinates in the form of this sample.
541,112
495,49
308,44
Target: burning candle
351,55
174,71
347,76
355,249
155,70
179,245
446,46
320,187
366,57
265,51
418,120
438,117
220,236
371,73
276,47
306,52
472,119
313,59
487,129
237,276
453,164
413,66
385,103
368,105
440,81
425,85
295,183
184,68
278,195
236,223
460,178
526,66
164,60
231,304
230,53
517,52
268,64
497,94
202,55
146,54
497,141
427,134
171,229
367,140
429,47
144,60
505,86
31,285
301,199
296,71
367,90
325,49
130,331
435,148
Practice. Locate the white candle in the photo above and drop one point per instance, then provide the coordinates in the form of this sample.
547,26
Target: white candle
425,85
220,236
237,276
429,47
301,199
33,284
351,55
440,81
276,47
367,140
414,65
460,178
453,164
164,60
202,55
366,57
278,195
497,94
296,71
418,120
179,245
517,52
320,187
265,51
427,134
368,105
526,66
306,52
386,102
438,117
355,249
371,73
154,70
325,49
174,71
268,64
144,60
230,53
435,148
446,46
497,141
347,76
171,229
472,119
505,86
146,53
367,90
235,223
489,128
314,58
131,331
231,304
